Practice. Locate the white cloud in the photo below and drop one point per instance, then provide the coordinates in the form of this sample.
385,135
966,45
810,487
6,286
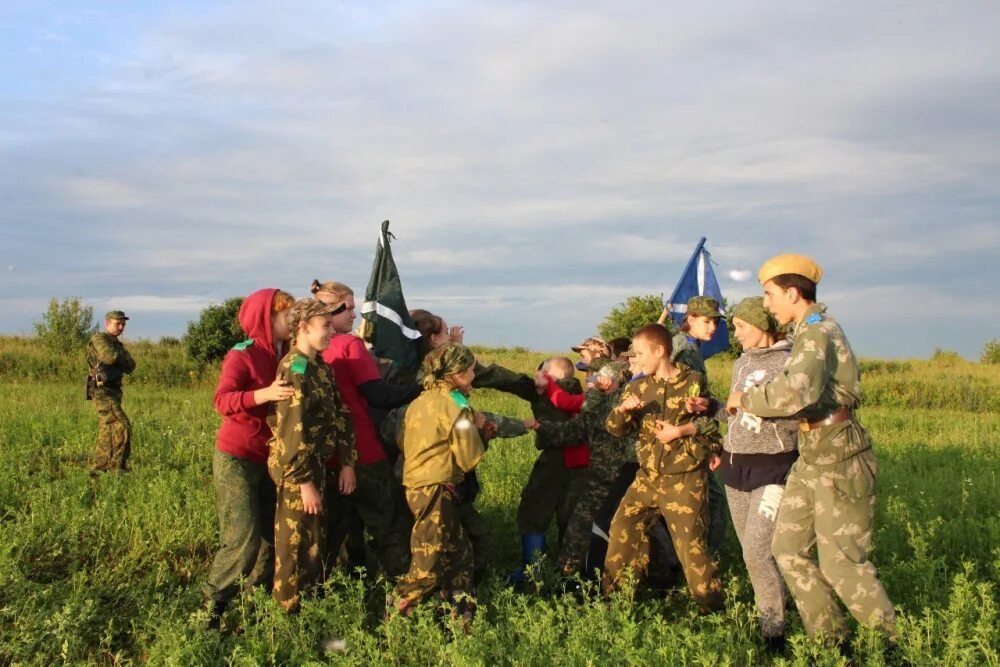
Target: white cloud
574,151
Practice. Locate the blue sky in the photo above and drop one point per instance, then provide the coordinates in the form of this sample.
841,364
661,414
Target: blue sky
540,161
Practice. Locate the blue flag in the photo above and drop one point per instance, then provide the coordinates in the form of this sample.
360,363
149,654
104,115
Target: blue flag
699,279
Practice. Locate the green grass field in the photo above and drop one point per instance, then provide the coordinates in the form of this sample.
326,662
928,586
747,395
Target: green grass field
108,571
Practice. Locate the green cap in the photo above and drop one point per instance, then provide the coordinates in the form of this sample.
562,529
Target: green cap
703,306
614,370
597,364
115,315
751,310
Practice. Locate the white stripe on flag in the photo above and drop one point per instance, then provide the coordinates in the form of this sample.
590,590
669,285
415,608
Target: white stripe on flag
678,308
391,315
701,273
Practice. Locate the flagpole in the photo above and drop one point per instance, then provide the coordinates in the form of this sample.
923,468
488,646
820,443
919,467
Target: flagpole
694,257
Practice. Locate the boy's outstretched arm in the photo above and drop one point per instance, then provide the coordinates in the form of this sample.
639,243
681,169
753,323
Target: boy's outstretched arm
505,380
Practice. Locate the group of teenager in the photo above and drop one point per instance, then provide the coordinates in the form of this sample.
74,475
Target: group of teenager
329,457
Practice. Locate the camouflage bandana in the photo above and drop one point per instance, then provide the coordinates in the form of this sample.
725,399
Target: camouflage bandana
444,361
305,309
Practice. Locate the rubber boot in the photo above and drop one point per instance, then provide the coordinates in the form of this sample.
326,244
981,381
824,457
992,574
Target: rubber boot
532,549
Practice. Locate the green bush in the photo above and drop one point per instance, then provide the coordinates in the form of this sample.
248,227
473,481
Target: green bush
991,352
66,326
170,341
943,357
215,332
628,317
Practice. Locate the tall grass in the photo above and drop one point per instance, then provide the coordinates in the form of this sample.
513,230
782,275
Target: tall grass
108,570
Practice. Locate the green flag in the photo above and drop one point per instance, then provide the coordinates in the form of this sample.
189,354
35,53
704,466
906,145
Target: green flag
387,324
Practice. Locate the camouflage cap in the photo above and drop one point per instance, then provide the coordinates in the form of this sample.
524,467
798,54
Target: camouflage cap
751,310
630,352
614,370
307,308
597,364
115,315
799,265
596,345
703,306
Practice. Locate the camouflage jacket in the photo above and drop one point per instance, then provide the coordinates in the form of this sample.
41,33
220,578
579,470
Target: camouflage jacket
686,352
523,386
311,426
440,442
107,351
607,452
820,377
664,400
391,429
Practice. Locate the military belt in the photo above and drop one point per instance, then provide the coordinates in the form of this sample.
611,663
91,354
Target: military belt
837,417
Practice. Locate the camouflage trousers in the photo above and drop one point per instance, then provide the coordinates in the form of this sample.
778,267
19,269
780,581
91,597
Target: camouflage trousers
442,554
480,537
718,513
114,434
831,507
549,492
338,520
590,493
682,500
298,547
245,498
374,503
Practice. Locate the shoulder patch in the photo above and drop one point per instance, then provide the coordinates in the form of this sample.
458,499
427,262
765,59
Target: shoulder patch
815,318
299,364
459,398
243,345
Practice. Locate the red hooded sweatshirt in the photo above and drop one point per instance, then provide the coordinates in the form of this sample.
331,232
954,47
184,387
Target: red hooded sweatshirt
249,366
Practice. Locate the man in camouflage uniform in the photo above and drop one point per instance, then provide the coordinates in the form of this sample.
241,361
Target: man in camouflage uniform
310,427
108,361
607,454
829,498
440,445
673,450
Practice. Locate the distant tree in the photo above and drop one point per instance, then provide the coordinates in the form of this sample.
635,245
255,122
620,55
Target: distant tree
628,317
66,326
215,332
170,341
991,352
735,349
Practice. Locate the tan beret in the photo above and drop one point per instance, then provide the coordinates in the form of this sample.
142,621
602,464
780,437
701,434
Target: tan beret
800,265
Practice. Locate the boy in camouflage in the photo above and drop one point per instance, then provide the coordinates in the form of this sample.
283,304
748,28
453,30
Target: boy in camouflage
829,499
441,443
607,454
673,450
310,427
109,361
547,491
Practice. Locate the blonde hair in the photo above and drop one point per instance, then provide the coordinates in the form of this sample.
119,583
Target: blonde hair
337,292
